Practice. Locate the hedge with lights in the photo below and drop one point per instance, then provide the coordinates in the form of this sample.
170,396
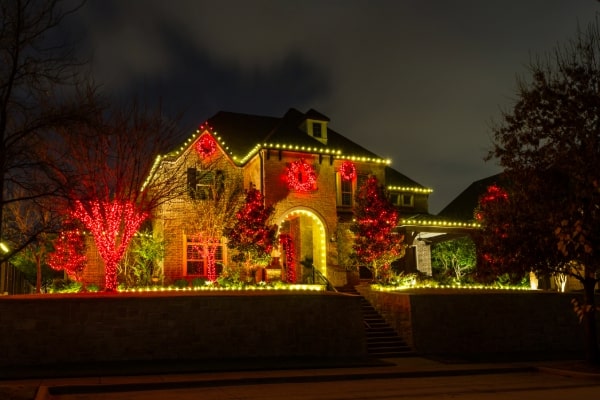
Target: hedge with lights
69,254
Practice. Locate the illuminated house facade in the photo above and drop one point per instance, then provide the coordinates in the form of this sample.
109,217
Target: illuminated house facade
308,172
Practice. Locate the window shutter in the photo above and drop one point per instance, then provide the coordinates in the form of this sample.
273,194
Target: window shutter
219,183
191,182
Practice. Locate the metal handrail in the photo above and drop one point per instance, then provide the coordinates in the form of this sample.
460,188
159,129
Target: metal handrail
323,279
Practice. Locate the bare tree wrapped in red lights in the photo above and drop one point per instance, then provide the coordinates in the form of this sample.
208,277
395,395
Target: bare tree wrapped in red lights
116,177
376,243
113,224
251,236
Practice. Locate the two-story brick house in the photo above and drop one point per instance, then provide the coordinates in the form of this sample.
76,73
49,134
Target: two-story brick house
308,172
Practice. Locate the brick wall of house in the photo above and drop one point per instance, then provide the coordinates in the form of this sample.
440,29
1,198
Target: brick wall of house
366,169
93,273
171,222
322,201
179,217
252,173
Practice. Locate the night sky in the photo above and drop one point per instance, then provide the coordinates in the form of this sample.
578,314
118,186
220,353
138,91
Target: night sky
419,82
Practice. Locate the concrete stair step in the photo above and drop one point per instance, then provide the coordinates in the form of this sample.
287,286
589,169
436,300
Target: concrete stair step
382,340
379,330
387,353
387,345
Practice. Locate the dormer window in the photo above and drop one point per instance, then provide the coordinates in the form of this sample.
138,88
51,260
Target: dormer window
315,124
316,129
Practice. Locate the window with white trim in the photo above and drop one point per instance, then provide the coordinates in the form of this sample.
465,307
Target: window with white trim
407,200
196,256
345,191
402,199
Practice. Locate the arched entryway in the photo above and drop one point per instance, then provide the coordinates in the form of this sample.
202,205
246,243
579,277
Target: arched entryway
307,237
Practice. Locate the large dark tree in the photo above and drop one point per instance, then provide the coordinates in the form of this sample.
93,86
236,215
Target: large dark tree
549,146
376,244
37,76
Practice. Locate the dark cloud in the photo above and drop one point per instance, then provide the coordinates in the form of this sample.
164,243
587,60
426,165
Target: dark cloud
145,51
199,85
415,81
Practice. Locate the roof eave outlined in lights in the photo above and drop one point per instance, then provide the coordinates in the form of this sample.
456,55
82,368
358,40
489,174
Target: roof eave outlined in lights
239,161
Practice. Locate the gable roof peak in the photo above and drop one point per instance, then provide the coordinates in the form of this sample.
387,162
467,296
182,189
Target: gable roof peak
314,114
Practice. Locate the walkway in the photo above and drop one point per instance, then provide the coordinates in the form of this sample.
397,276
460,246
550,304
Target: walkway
405,367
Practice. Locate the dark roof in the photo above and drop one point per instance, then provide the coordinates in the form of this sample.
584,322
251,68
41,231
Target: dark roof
314,114
241,133
463,206
394,178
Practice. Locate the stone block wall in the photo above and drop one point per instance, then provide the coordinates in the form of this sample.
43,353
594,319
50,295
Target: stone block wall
483,323
97,328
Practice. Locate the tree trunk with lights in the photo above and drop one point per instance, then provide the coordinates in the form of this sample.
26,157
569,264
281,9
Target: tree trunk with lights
113,226
210,249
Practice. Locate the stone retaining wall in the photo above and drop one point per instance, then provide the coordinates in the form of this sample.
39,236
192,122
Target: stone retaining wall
496,324
95,328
